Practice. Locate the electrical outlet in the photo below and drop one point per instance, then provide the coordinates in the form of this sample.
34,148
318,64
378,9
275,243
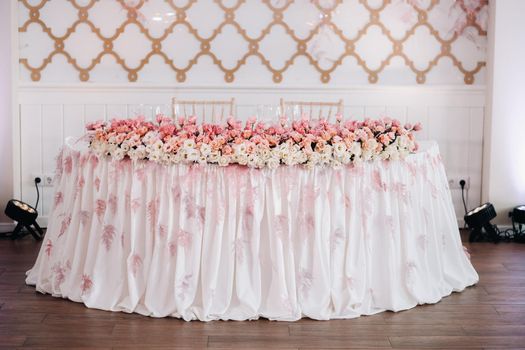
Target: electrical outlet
453,182
47,179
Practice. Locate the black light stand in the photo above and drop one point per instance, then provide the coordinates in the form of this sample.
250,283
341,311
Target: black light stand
479,219
25,216
518,220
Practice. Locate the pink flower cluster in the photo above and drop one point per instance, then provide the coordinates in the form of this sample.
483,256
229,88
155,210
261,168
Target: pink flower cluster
253,143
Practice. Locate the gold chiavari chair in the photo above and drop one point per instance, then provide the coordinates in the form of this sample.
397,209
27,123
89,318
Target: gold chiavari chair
218,110
310,108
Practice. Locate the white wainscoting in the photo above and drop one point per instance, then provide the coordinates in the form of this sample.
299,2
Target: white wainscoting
453,116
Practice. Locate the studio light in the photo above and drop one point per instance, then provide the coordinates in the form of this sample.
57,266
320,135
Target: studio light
25,216
478,219
518,220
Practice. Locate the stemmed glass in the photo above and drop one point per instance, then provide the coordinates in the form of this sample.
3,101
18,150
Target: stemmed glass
268,113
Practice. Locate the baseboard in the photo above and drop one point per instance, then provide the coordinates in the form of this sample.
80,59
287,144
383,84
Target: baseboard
42,221
10,226
7,226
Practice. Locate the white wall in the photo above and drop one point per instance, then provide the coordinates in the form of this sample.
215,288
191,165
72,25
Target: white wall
453,116
504,150
6,151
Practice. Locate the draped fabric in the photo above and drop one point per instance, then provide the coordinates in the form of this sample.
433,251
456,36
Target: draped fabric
203,242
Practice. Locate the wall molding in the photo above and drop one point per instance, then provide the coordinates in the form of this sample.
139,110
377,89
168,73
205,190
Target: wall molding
251,95
96,87
7,226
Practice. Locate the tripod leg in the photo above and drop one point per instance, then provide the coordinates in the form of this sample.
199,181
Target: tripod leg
40,233
16,233
474,235
33,233
493,235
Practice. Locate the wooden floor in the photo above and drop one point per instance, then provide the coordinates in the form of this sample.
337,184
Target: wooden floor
490,315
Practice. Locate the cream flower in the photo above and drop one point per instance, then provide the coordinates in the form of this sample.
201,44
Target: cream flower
189,143
339,149
224,160
205,149
272,162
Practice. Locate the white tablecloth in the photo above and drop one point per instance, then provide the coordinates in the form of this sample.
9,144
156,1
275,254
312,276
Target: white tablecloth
207,243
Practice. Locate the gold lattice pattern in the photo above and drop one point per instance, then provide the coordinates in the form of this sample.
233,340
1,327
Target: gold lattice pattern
229,18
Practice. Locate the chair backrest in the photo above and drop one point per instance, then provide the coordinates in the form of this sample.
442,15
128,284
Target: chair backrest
206,110
311,109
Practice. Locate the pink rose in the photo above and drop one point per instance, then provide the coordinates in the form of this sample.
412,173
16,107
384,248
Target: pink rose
95,125
227,150
247,134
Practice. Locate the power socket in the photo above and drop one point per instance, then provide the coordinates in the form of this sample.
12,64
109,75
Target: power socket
454,182
46,180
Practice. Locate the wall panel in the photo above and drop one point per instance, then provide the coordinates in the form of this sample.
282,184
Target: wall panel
254,41
452,116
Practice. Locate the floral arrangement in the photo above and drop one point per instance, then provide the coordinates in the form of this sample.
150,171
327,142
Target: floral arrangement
253,143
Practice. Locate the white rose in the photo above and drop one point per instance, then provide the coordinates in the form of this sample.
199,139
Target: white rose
205,149
166,158
328,150
314,158
240,149
118,154
110,148
242,159
158,145
155,157
339,149
193,155
224,160
264,153
125,146
310,165
288,159
325,158
214,157
202,159
253,161
345,159
138,153
303,157
371,145
272,163
284,153
394,155
336,164
189,144
356,149
177,158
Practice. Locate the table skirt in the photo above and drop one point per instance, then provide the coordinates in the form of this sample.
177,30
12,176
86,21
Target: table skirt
203,242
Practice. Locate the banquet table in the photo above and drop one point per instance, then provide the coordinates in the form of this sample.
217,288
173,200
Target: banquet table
204,242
